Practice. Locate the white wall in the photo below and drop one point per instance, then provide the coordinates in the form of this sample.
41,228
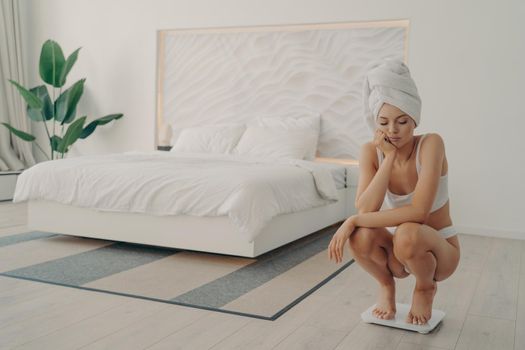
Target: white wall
467,58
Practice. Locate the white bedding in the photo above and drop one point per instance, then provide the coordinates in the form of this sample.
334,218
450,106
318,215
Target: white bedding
251,192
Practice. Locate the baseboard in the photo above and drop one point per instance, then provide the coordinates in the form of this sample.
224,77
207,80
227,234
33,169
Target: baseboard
491,232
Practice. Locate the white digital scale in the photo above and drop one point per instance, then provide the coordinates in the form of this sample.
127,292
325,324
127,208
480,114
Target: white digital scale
399,320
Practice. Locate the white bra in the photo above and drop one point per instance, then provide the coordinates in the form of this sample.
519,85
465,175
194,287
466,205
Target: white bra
393,200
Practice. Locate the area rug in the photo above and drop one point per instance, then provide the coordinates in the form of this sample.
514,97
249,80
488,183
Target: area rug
264,287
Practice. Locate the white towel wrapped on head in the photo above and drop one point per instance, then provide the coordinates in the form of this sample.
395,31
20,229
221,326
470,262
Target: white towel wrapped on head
389,81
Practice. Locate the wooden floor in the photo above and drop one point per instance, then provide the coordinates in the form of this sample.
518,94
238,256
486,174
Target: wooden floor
484,303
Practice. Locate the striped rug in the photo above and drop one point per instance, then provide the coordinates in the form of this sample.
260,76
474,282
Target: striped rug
265,287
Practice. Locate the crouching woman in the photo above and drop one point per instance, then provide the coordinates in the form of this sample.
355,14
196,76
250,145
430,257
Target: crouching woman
403,224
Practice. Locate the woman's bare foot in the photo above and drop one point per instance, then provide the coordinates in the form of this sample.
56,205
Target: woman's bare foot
386,305
421,310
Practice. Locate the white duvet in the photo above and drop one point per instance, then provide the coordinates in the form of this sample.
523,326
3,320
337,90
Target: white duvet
250,192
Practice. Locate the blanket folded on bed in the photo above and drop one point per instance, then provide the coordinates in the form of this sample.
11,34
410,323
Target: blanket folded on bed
251,192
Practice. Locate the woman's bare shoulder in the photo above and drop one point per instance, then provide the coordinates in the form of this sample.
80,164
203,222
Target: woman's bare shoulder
368,146
433,147
433,140
369,153
432,135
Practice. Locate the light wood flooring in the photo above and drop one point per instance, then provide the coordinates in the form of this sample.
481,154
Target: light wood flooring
484,303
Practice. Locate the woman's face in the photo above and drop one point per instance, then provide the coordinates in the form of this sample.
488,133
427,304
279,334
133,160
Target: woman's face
396,124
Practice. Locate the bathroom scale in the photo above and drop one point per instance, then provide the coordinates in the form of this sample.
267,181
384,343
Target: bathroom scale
399,320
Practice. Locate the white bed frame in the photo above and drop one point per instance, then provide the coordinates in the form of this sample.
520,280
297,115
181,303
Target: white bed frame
208,234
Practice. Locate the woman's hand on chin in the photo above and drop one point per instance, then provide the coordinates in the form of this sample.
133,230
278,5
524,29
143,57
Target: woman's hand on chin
382,142
335,248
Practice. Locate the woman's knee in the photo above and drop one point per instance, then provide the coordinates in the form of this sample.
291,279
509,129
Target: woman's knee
362,241
407,240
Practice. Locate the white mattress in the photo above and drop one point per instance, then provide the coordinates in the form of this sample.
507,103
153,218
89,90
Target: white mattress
162,183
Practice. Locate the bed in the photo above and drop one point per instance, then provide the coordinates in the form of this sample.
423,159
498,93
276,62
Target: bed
274,111
224,204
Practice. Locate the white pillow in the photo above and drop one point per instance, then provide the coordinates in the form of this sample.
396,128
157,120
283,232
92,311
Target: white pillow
311,124
209,139
275,143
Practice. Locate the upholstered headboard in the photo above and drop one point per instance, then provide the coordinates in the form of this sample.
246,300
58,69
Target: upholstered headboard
234,75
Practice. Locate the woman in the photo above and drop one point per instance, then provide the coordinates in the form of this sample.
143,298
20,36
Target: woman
406,175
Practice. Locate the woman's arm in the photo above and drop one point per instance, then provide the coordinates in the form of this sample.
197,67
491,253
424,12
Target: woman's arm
384,218
374,194
373,184
390,217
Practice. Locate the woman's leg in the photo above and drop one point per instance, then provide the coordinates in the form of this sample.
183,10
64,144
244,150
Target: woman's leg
373,250
430,258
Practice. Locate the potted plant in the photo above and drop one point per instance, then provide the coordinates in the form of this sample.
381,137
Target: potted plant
54,68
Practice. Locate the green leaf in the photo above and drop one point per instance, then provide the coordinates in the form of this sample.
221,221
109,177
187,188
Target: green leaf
45,113
88,130
55,142
51,63
67,67
66,103
72,134
32,100
23,135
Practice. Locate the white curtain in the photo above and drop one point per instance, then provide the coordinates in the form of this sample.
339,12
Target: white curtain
15,154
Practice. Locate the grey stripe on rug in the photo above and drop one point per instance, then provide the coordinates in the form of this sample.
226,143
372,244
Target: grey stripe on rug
24,237
224,290
92,265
